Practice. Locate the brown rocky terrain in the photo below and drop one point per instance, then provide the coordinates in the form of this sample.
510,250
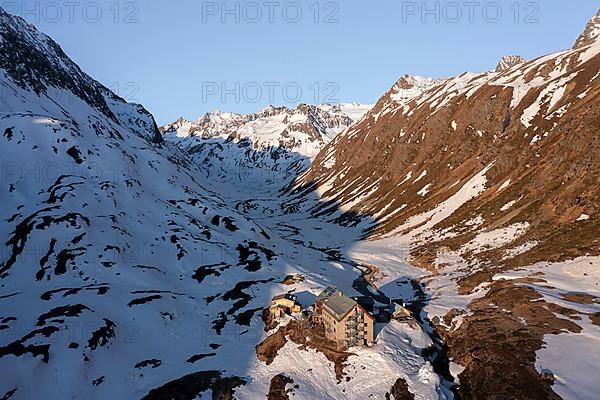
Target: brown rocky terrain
305,337
499,170
497,345
595,318
551,165
277,390
400,391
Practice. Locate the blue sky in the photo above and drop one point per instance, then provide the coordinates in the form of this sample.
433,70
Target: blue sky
188,57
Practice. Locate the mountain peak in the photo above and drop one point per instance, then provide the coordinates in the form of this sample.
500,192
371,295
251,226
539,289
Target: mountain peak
409,81
303,130
37,65
591,33
268,109
508,62
409,86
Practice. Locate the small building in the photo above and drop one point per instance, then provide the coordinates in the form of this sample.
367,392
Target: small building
346,322
284,304
401,312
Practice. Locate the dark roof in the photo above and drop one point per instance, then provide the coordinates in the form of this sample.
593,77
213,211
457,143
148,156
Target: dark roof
338,305
285,296
328,292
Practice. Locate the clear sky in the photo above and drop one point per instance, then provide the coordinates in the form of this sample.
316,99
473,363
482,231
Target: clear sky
188,57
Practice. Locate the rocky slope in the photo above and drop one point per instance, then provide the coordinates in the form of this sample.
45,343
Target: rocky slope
590,34
507,62
529,132
482,174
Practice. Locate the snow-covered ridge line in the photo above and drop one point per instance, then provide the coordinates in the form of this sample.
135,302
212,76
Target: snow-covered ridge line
271,146
38,64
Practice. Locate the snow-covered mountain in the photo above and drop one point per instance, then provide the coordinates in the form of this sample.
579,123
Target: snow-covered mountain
303,130
269,148
127,272
482,175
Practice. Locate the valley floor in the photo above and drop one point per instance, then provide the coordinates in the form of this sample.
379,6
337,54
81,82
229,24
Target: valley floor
371,372
323,254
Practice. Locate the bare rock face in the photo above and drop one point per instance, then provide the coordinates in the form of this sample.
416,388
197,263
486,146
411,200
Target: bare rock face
507,62
517,147
472,154
591,33
400,391
277,390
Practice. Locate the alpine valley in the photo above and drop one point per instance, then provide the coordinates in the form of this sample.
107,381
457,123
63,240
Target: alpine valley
139,261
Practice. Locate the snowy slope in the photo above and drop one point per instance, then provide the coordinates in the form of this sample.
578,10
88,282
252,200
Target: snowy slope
251,156
124,271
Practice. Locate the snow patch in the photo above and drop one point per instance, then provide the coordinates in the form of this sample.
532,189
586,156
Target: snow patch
496,238
504,186
423,192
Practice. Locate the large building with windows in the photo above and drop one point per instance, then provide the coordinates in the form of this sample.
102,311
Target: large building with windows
346,322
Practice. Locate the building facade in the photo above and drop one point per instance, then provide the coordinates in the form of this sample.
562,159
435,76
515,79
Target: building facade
284,304
345,321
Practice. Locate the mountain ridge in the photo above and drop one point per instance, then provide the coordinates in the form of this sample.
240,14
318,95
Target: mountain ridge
490,180
34,61
319,123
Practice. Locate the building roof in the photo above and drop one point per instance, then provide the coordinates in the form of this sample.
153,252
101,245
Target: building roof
328,292
338,305
285,296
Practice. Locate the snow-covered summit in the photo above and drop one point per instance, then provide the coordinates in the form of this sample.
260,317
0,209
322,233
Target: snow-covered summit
304,129
507,62
408,87
591,33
